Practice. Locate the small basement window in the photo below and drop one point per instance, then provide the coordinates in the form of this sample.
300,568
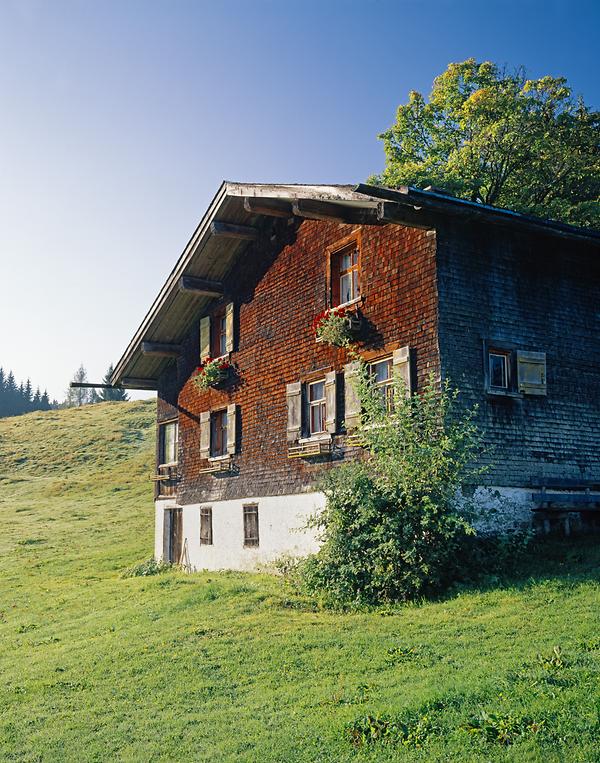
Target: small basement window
218,433
206,530
317,407
251,525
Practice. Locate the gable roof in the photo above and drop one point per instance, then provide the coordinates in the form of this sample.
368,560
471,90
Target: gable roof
232,221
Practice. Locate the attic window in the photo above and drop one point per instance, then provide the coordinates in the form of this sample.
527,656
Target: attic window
344,271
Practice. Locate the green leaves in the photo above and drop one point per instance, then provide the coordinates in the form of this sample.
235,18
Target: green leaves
495,137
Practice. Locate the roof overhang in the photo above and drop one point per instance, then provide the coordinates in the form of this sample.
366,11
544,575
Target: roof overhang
238,215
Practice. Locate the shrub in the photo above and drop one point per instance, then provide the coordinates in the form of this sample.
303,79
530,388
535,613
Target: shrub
147,567
333,327
392,528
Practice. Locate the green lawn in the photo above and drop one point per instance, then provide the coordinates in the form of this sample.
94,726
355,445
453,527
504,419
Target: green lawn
235,667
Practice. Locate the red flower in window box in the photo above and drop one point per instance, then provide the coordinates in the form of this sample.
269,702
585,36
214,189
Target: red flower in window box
211,372
335,326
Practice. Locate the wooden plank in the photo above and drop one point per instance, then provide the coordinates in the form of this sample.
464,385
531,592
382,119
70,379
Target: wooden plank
327,210
388,212
161,349
201,287
268,207
91,385
229,230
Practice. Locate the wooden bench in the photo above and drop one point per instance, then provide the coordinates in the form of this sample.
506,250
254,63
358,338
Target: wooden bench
558,499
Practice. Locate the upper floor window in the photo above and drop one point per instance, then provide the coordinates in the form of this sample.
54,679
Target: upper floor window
219,334
168,435
499,370
344,271
317,407
218,433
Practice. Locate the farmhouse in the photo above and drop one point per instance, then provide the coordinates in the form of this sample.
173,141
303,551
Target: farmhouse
504,305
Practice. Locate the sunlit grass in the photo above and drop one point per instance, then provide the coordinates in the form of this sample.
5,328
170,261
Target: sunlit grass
219,667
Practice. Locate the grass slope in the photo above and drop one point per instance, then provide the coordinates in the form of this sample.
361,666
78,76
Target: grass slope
234,667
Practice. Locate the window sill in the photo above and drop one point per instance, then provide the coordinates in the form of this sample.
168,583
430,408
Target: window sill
218,459
352,303
503,393
320,437
168,466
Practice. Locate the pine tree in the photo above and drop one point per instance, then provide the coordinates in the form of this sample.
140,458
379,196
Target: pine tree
45,404
36,401
114,393
28,400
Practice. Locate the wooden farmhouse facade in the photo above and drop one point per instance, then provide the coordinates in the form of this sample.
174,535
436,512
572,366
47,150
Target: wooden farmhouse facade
505,306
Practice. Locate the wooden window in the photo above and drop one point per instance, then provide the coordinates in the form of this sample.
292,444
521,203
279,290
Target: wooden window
383,378
499,368
168,443
317,407
343,271
218,433
206,530
219,333
251,525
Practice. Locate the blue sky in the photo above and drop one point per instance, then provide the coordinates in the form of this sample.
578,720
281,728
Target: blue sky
120,119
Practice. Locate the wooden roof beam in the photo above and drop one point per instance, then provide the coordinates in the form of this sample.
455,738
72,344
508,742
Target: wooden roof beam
413,217
267,207
129,382
327,210
201,287
229,230
161,349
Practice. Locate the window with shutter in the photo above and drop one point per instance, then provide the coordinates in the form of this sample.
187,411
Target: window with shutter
513,372
168,443
206,530
317,407
251,539
218,433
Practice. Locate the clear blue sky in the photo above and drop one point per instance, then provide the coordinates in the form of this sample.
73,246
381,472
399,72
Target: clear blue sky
120,118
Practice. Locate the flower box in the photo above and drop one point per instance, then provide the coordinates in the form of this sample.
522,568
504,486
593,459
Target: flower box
336,326
211,373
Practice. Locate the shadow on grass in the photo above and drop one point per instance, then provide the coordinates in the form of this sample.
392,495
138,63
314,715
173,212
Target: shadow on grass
568,561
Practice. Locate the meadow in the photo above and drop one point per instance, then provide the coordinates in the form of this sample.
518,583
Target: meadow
95,666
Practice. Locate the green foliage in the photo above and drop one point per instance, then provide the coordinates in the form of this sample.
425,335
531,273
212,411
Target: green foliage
392,529
410,732
114,394
503,729
333,327
493,136
147,567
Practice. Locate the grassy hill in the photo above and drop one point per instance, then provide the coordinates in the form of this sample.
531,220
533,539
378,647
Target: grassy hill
234,667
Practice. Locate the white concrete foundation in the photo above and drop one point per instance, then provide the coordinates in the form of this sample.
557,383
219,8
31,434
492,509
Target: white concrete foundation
282,526
282,531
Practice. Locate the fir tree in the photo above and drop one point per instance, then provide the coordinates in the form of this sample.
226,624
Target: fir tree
114,393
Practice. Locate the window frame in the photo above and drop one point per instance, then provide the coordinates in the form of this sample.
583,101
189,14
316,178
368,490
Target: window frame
321,403
206,512
214,415
218,332
334,253
247,510
509,351
162,440
387,384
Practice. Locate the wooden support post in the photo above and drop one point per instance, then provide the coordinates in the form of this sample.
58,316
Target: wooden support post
229,230
130,382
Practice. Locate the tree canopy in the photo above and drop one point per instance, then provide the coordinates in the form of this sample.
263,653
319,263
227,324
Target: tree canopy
493,136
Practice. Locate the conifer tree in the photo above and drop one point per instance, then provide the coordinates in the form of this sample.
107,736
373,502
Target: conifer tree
112,394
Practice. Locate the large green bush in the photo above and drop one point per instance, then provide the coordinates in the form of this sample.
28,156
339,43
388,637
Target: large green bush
392,528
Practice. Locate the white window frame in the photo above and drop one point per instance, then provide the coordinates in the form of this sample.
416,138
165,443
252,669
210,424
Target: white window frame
320,403
164,426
